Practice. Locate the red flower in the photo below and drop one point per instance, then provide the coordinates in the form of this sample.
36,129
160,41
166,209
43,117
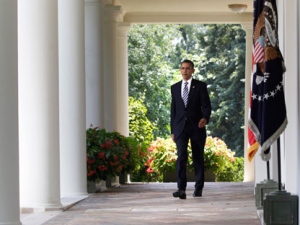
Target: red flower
150,149
149,170
150,160
102,168
103,145
101,155
91,173
90,161
113,163
108,144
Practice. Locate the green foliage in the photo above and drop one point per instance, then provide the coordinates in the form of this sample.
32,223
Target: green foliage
149,50
217,157
234,171
142,130
110,154
218,51
139,125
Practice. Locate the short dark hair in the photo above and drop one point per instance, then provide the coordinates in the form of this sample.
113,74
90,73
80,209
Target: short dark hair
188,61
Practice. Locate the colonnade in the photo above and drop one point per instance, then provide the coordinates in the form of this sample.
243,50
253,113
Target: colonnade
55,82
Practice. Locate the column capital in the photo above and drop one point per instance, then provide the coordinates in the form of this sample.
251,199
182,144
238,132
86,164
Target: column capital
112,12
107,2
247,26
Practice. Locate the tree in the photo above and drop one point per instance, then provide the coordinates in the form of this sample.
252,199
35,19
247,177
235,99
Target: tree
150,69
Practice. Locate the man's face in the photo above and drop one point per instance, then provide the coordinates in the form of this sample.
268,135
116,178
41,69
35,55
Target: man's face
186,71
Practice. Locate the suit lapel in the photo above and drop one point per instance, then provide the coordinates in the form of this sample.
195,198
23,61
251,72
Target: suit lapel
192,91
178,91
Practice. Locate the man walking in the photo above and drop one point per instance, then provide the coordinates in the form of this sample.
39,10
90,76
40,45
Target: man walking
190,112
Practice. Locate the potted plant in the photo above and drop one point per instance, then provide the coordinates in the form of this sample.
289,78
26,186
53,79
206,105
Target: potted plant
110,154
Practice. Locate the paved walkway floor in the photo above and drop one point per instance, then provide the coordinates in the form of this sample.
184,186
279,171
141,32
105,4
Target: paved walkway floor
223,203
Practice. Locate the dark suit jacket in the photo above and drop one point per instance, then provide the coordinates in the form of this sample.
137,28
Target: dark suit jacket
198,107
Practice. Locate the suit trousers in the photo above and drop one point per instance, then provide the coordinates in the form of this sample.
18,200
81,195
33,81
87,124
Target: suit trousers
197,145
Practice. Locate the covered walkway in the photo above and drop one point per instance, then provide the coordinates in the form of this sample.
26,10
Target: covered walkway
152,203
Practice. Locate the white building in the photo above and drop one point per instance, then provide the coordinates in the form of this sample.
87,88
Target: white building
63,66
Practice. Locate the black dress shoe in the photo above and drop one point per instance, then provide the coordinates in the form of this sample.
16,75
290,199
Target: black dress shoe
179,194
198,193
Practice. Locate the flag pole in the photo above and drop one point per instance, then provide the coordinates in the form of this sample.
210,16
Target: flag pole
268,170
268,164
279,163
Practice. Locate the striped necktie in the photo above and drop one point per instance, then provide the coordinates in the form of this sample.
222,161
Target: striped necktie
185,93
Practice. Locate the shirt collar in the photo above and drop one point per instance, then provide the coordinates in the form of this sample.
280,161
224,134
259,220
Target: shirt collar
189,81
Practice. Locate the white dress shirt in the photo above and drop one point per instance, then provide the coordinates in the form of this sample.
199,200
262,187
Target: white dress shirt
183,84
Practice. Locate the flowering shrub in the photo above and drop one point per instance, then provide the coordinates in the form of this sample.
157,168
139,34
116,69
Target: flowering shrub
109,154
234,172
217,156
163,155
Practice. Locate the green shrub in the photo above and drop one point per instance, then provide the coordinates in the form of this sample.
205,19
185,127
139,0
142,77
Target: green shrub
139,125
233,172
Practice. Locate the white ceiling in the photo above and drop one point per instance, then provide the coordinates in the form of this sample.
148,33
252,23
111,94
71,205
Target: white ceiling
183,11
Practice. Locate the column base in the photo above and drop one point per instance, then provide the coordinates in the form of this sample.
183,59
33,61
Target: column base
11,223
26,210
124,178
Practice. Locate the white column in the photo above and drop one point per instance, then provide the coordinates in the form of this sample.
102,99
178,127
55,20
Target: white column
122,99
248,166
94,63
9,152
291,156
39,104
110,67
72,98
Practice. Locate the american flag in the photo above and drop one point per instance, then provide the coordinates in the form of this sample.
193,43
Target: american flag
259,53
267,105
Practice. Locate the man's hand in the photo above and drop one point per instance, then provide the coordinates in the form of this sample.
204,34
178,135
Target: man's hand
202,123
172,136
